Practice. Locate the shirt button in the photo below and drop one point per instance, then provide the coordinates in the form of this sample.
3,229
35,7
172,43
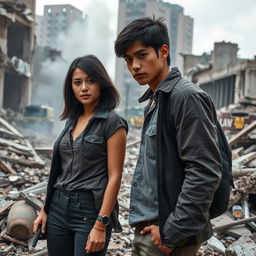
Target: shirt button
135,184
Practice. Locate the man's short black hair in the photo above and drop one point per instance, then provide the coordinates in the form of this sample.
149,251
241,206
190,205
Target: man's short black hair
150,31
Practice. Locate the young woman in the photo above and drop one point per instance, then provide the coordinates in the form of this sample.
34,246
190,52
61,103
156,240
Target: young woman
81,202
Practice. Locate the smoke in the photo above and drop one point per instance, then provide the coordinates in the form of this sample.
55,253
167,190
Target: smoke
91,37
94,35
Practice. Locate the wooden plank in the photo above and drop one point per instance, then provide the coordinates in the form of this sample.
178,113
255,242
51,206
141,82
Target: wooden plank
233,140
7,249
36,156
236,152
242,160
242,171
249,149
33,201
236,232
7,168
7,189
252,164
7,134
4,183
234,223
44,150
10,127
6,207
13,240
23,162
18,152
11,143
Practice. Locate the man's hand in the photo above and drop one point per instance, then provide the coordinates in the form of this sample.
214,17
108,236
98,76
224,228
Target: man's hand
155,238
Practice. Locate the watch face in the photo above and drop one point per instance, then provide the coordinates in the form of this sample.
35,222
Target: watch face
105,220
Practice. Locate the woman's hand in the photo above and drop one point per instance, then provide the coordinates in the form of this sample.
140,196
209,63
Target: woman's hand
96,239
40,220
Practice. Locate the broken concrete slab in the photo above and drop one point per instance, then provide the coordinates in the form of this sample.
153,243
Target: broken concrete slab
244,246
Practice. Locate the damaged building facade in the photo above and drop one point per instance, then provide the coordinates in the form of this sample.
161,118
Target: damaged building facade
17,30
222,74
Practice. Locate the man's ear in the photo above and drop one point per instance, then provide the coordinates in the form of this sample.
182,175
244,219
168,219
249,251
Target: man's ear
164,51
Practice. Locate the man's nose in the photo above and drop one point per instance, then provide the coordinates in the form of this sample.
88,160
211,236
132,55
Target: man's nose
135,65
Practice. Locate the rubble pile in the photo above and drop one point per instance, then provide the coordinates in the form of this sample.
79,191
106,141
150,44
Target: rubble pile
20,169
24,171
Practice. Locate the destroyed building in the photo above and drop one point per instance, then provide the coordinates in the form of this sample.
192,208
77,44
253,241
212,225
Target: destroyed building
225,77
57,19
17,37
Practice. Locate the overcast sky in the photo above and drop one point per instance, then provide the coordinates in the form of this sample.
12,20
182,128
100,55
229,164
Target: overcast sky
214,21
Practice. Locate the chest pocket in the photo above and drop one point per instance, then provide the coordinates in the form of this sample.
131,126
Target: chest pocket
94,139
151,131
150,141
94,147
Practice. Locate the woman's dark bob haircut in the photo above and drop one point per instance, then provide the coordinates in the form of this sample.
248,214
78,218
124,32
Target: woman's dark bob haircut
91,65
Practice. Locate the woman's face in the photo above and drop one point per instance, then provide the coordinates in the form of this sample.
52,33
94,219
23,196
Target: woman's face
85,89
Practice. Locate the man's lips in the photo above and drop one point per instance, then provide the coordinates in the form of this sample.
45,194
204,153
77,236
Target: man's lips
139,75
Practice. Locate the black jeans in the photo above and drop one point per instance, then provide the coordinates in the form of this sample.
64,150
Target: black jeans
71,217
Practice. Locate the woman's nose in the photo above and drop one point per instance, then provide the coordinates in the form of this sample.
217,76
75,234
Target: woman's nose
84,86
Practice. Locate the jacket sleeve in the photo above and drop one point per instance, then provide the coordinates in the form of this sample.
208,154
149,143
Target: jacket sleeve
194,120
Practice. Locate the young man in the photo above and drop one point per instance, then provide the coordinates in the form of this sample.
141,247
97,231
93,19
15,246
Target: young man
178,168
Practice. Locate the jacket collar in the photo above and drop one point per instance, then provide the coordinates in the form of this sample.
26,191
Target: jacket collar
165,86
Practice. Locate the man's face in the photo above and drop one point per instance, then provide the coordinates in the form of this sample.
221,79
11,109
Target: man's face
144,64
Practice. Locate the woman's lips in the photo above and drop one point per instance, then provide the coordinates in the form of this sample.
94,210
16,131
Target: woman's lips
85,96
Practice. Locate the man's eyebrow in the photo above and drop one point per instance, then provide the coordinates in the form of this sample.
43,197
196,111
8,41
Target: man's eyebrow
136,53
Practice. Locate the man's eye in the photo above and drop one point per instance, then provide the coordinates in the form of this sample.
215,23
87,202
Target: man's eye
142,55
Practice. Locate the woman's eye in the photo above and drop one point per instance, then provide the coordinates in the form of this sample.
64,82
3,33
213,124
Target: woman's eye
90,81
76,82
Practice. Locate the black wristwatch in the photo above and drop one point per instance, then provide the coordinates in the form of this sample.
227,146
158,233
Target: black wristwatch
103,219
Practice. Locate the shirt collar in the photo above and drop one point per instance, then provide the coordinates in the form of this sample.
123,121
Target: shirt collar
101,114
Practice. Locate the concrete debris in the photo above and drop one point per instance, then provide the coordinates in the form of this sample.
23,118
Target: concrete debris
216,244
13,7
10,16
21,66
244,246
24,171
